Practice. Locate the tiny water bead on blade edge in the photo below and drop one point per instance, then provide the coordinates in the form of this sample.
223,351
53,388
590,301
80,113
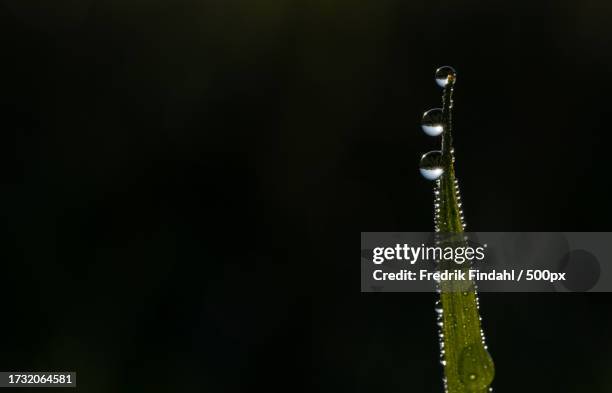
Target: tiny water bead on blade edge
431,165
444,75
433,122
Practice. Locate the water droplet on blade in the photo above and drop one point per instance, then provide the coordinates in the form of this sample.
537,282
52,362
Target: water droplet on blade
433,122
444,75
431,165
476,368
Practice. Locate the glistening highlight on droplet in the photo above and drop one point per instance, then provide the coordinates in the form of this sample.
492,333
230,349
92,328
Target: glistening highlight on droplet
431,165
445,75
433,122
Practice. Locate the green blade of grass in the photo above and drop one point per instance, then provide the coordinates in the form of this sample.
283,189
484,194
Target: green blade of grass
468,367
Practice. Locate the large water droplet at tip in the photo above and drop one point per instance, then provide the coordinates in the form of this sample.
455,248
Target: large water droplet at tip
431,167
445,75
433,122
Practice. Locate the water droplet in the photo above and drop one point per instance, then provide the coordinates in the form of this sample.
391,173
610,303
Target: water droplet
431,165
433,122
445,75
475,367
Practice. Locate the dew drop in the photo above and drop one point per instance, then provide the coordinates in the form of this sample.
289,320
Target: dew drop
444,75
433,122
431,165
475,367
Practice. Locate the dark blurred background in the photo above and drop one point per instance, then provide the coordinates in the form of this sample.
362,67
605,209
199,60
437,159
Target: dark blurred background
185,184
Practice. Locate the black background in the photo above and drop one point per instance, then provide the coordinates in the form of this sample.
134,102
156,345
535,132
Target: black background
185,183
